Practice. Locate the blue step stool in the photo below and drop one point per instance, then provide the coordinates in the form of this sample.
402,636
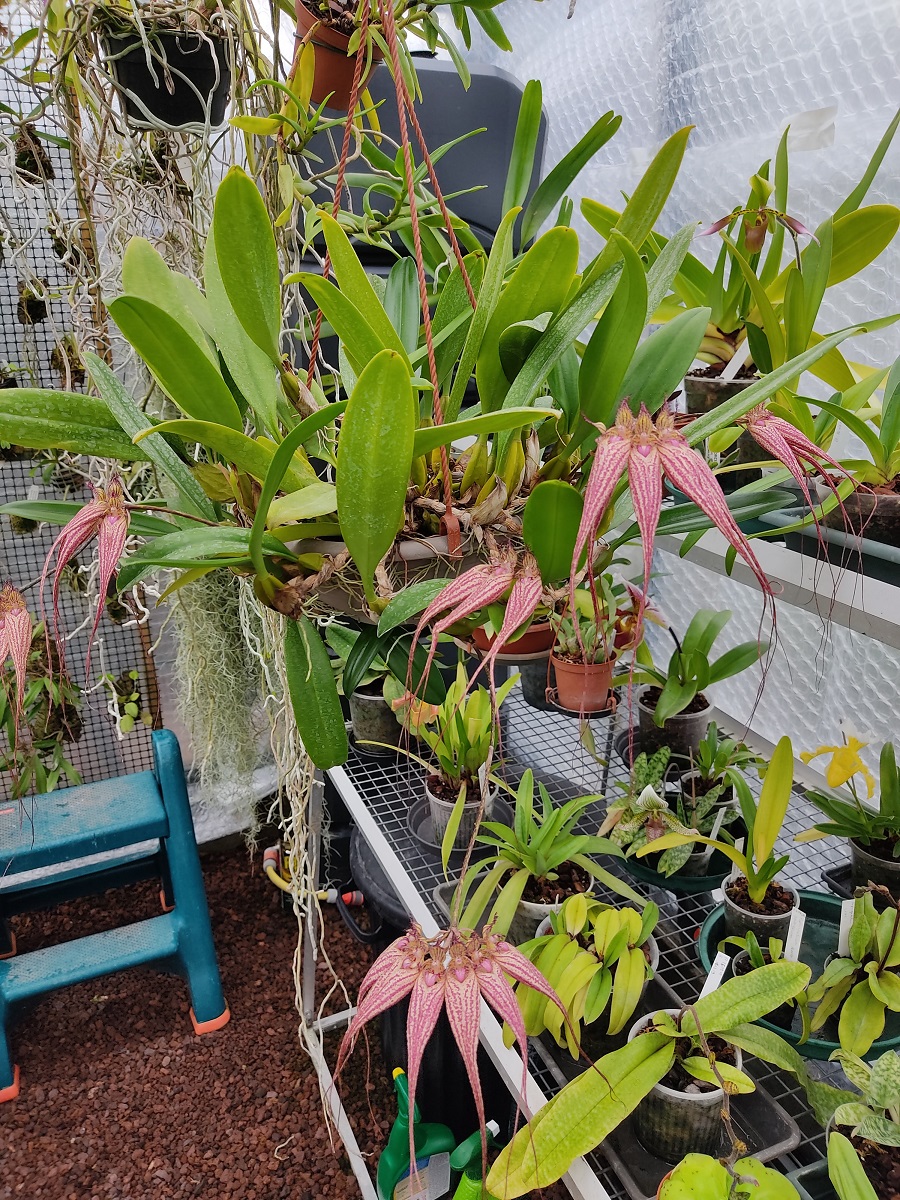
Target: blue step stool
78,822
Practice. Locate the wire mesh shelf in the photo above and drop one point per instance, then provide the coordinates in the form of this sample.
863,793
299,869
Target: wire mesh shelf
572,764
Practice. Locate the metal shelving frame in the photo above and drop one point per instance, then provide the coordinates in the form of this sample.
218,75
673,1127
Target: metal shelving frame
379,794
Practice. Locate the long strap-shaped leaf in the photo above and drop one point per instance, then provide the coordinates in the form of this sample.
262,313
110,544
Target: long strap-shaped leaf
133,421
501,252
314,696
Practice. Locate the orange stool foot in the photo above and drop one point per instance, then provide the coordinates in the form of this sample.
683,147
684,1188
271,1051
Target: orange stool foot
211,1026
11,1092
10,953
162,902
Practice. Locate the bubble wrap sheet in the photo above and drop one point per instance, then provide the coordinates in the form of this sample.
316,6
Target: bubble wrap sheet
739,73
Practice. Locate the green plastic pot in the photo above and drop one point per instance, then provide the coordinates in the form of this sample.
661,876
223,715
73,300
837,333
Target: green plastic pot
820,939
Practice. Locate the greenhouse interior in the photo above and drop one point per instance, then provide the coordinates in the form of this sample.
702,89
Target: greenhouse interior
449,575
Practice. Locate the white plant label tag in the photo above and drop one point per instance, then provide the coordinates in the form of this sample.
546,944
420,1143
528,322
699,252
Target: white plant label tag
716,973
714,832
847,910
795,935
735,869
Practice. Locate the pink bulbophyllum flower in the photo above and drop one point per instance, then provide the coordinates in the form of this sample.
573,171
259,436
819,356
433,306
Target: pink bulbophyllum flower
794,450
453,970
15,639
649,449
106,518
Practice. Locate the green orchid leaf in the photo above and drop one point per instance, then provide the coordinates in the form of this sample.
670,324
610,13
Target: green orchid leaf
555,184
488,297
191,497
356,286
373,474
253,456
180,367
407,604
432,436
314,696
580,1117
550,526
539,284
49,420
612,345
247,259
250,366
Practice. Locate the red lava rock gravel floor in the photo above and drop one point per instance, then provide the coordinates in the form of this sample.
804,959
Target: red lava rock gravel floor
121,1101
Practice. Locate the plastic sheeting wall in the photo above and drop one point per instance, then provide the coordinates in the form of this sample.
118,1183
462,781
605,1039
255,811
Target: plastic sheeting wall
739,72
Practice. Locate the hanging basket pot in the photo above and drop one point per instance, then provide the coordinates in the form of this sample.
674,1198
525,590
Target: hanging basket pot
334,67
185,77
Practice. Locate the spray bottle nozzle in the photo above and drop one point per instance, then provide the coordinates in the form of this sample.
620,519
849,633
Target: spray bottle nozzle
468,1153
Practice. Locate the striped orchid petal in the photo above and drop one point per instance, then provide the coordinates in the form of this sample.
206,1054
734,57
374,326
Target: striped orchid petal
517,966
645,481
393,987
463,1000
426,1002
394,957
474,589
106,517
785,442
15,638
610,457
520,607
691,474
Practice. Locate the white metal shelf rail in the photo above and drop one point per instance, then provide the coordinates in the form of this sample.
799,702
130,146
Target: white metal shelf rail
378,795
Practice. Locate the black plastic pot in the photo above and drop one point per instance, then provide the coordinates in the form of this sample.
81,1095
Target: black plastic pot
187,74
683,733
443,1093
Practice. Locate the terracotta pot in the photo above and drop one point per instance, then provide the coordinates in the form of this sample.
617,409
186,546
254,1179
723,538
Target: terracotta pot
536,638
334,68
682,733
582,687
671,1124
739,922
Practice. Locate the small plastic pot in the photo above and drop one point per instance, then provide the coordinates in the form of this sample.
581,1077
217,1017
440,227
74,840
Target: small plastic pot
726,800
866,867
373,720
671,1124
529,918
537,676
194,66
739,922
582,687
783,1015
871,515
441,811
334,68
682,733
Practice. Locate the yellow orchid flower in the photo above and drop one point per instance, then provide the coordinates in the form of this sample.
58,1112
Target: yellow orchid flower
846,762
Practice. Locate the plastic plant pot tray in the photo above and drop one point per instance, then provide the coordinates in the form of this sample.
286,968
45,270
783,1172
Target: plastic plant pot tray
820,938
812,1182
686,885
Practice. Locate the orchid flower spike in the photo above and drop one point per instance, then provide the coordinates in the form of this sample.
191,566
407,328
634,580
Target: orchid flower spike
105,517
15,638
649,450
452,970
